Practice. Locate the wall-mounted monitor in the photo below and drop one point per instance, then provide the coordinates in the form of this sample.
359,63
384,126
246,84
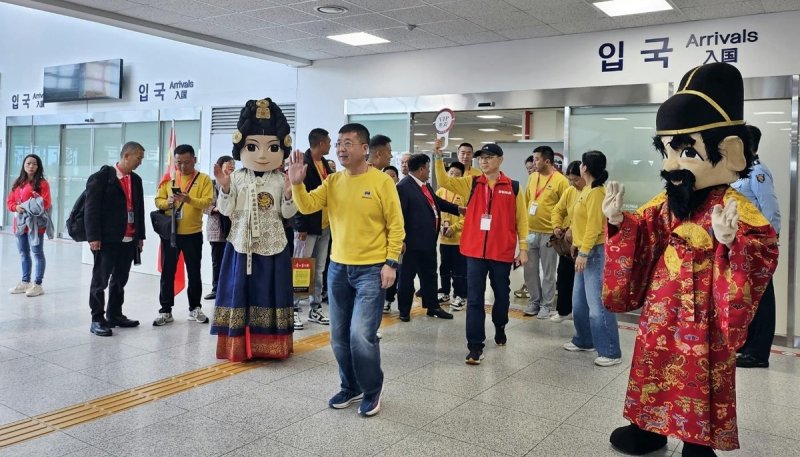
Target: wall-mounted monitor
83,81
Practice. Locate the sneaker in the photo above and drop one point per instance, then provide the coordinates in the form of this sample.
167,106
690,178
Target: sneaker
531,310
163,319
198,316
544,313
344,399
559,318
370,406
457,304
34,290
298,323
387,307
474,357
379,334
316,315
522,292
20,288
212,295
500,337
444,298
572,348
606,362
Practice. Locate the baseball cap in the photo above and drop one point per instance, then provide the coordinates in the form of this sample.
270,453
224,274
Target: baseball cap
489,148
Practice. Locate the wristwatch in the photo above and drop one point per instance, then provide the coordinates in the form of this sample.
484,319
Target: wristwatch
392,263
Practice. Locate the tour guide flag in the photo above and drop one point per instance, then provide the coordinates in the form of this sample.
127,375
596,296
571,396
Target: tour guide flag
180,270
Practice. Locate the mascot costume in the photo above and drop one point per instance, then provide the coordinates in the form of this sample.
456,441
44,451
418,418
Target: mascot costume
696,259
253,313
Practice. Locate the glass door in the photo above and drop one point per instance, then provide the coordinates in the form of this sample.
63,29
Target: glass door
19,145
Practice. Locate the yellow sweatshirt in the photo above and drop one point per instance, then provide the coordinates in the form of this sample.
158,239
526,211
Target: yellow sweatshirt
562,213
201,194
463,186
549,190
365,215
456,222
588,220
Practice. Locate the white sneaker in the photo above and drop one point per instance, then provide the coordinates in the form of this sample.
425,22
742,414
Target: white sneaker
298,323
379,334
559,318
163,319
572,348
443,298
20,288
387,307
531,310
457,304
544,313
34,290
606,362
198,316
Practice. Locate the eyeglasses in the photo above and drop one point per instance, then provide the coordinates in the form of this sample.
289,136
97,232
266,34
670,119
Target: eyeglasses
346,144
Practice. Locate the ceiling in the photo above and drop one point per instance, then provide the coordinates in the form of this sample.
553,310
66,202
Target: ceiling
293,32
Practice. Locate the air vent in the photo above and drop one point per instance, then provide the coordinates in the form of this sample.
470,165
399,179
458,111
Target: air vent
224,118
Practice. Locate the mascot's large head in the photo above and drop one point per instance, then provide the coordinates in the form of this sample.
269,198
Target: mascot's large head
262,139
701,135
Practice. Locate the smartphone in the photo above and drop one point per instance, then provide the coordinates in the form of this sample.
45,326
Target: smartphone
176,190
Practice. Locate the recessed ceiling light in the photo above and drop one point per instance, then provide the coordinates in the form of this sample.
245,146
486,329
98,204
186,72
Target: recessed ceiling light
331,9
489,130
779,122
615,118
762,113
358,39
615,8
644,128
420,134
489,116
487,142
785,130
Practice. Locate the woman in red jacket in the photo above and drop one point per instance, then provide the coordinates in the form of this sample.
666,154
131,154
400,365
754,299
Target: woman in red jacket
29,185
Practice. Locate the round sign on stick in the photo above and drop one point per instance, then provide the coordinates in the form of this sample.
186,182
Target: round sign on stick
445,120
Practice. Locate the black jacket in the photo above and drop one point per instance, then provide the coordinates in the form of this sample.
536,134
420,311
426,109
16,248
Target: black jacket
311,223
106,213
418,215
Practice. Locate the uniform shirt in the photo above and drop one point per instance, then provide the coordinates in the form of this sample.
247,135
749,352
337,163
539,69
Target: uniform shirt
451,220
760,189
201,194
544,192
562,213
588,220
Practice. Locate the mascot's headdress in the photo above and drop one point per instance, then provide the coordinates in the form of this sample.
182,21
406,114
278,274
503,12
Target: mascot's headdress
708,97
262,117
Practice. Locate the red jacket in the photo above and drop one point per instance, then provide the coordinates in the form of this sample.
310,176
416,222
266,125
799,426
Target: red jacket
500,242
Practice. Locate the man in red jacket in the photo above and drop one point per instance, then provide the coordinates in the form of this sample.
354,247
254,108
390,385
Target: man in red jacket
493,239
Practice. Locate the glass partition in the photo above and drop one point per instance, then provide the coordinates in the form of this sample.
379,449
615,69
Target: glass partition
186,132
74,169
395,126
19,145
146,134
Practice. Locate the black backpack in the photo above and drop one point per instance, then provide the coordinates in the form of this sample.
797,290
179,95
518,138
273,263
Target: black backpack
514,186
75,224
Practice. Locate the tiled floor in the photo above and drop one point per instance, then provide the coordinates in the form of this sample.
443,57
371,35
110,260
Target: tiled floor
530,398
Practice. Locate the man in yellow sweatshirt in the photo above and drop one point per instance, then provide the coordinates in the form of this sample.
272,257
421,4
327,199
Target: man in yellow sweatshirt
195,195
367,231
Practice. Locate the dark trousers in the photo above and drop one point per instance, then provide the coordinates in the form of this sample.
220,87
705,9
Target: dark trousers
564,283
192,248
112,262
217,251
422,263
761,331
500,280
453,266
391,292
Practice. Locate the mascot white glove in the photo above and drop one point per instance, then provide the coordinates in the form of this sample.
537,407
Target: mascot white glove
725,222
612,204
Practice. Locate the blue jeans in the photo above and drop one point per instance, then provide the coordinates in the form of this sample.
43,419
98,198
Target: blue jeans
595,326
25,248
356,298
499,278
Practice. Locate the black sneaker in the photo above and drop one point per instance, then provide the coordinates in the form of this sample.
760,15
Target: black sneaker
500,335
748,361
387,307
474,357
344,399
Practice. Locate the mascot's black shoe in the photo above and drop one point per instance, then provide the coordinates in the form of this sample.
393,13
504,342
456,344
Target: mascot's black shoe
632,440
697,450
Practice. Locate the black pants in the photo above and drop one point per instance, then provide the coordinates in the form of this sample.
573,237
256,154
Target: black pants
422,263
217,251
325,273
453,266
500,279
564,283
112,262
192,248
761,331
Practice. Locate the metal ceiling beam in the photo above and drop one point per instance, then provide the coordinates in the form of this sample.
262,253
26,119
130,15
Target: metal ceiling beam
160,30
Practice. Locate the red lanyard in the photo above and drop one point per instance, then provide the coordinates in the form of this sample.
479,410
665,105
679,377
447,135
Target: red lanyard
488,195
189,185
322,171
125,183
539,191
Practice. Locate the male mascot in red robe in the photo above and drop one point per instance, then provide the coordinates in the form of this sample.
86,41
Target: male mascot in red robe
696,259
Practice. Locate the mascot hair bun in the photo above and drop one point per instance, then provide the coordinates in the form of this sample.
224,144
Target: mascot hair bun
262,117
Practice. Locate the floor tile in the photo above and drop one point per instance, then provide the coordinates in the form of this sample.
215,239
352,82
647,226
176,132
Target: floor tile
457,378
533,398
268,447
568,375
757,444
9,354
599,415
48,341
279,369
772,419
109,429
55,444
17,372
39,396
212,392
321,382
8,415
416,406
770,386
569,441
422,443
96,352
398,360
140,370
617,388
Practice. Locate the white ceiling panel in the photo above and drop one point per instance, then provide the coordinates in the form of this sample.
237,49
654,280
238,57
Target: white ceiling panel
529,32
420,15
311,6
386,5
280,33
190,8
283,15
506,20
724,10
774,6
584,26
239,5
156,15
108,5
324,28
477,37
371,21
240,21
455,27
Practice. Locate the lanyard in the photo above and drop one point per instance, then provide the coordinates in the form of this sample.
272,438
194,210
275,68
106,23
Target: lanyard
125,183
539,191
191,181
321,169
488,195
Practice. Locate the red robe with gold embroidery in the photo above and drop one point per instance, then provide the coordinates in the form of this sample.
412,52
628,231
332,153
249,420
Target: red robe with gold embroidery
697,298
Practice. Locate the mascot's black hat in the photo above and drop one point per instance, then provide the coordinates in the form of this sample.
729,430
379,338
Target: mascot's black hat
261,117
709,96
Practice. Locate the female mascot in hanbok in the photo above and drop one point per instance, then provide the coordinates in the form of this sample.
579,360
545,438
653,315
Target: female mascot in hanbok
696,259
253,313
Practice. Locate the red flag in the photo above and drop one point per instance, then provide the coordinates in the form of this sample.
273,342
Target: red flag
180,270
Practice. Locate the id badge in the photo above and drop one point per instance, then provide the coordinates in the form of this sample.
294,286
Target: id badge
486,222
179,214
533,208
130,217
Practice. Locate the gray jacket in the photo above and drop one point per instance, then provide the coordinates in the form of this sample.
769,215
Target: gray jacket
34,218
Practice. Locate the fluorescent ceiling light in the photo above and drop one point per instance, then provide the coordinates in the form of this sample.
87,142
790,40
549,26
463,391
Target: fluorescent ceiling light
615,118
762,113
489,130
358,39
489,116
779,122
456,139
785,130
420,134
625,7
517,134
430,142
644,128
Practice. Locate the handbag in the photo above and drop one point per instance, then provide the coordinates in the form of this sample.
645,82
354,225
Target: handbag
162,222
561,245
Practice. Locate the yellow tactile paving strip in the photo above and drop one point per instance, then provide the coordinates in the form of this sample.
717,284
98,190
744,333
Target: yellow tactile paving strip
28,429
